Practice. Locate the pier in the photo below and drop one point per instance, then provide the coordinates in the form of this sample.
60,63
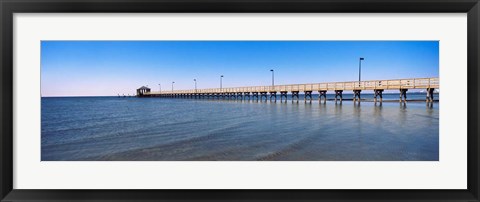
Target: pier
265,93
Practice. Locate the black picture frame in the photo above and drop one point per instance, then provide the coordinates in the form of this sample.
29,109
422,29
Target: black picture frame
9,7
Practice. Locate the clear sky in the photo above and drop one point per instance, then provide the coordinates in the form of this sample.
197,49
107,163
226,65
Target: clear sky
96,68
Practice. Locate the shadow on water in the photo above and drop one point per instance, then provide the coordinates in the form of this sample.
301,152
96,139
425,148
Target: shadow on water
403,113
377,112
338,108
357,110
322,106
429,106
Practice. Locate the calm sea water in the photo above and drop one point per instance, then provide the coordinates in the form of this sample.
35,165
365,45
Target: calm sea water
131,129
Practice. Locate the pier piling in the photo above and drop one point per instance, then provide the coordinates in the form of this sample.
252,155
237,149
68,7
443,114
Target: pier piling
356,94
339,93
295,95
378,93
283,94
247,94
430,92
255,95
403,95
322,93
309,95
273,95
262,95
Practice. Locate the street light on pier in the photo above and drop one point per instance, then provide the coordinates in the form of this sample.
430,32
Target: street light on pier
172,85
273,77
221,76
160,87
195,84
360,70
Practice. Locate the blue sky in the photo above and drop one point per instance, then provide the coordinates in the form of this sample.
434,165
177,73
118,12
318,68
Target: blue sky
97,68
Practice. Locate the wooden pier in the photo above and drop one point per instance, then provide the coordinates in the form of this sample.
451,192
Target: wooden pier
270,92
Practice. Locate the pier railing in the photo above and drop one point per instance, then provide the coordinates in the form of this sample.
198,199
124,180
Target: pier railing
395,84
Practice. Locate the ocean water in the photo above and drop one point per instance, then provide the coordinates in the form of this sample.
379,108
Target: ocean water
169,129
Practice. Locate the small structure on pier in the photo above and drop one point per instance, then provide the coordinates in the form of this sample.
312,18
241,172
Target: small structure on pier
142,91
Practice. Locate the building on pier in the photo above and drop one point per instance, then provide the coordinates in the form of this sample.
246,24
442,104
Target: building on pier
143,91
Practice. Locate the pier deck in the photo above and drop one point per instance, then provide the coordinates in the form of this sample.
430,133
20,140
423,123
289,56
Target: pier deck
378,86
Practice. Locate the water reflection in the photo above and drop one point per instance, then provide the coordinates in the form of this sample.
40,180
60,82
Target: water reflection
377,113
183,129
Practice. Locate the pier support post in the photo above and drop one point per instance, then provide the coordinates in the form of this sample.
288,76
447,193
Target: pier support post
430,94
247,94
273,95
239,96
338,93
263,94
309,95
356,94
378,93
403,95
255,95
282,94
295,95
322,93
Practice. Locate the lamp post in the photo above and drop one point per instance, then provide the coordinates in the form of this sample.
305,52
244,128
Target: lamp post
273,77
221,76
160,87
360,70
195,84
172,85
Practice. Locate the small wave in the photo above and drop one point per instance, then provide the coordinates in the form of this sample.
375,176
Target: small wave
288,149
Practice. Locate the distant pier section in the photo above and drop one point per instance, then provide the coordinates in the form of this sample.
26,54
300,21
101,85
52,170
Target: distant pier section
271,92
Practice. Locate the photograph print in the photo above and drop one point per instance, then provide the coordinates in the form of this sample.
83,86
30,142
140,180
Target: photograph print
240,100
